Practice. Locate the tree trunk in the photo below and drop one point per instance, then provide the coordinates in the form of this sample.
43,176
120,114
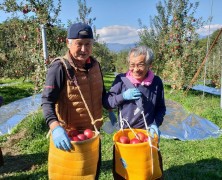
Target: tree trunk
1,158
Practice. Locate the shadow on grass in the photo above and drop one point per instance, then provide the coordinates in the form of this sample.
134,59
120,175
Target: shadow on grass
30,162
34,176
108,84
106,165
109,75
22,163
11,94
204,170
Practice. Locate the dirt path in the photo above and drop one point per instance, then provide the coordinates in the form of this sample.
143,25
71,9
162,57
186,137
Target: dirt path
14,161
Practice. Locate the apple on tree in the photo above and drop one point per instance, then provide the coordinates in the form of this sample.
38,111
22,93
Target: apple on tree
25,9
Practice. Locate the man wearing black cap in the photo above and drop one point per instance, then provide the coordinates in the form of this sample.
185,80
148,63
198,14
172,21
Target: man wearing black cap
63,106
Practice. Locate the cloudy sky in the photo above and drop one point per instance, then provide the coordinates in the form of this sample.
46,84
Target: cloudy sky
117,20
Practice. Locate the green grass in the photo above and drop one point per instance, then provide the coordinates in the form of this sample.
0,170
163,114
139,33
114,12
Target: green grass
200,159
207,106
17,90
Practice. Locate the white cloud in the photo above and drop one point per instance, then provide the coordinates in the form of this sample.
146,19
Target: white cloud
129,35
118,34
208,29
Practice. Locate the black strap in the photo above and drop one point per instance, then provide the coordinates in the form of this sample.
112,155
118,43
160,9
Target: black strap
127,82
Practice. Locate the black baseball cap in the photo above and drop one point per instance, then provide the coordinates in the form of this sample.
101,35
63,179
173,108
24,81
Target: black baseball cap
80,31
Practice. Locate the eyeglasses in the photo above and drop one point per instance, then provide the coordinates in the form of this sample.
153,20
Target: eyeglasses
139,66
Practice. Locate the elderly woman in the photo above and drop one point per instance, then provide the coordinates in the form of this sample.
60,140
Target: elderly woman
137,91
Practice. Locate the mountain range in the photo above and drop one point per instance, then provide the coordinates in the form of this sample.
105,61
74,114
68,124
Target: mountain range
117,47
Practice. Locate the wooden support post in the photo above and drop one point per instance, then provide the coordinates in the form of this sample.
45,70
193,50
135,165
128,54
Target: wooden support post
202,64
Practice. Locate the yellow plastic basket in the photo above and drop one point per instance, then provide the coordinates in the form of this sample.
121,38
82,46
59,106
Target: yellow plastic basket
136,161
78,164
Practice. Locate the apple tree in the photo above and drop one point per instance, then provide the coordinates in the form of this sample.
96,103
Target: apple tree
120,61
173,38
211,71
21,41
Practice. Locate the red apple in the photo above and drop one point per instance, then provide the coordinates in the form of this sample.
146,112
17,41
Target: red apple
146,139
82,137
25,11
124,140
73,133
88,133
75,138
141,136
135,141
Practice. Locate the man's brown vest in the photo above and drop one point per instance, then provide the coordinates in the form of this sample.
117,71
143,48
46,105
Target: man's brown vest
70,108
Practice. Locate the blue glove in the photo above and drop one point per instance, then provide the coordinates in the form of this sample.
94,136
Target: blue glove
61,139
131,94
154,130
112,117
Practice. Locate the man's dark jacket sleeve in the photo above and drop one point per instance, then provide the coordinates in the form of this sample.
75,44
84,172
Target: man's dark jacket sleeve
53,86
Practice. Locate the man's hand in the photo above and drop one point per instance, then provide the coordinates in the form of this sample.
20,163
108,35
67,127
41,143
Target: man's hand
131,94
61,139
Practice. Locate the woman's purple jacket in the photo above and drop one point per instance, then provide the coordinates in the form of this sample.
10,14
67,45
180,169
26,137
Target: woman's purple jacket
152,100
